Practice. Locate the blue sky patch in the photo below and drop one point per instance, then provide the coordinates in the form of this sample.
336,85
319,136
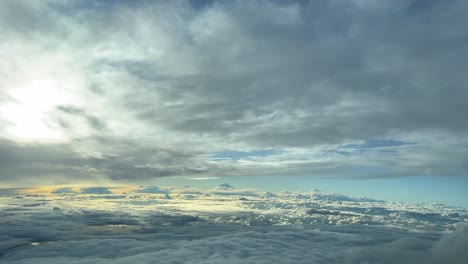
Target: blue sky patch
377,143
238,155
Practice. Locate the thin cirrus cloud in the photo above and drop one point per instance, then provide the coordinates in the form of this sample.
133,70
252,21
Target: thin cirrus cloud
134,90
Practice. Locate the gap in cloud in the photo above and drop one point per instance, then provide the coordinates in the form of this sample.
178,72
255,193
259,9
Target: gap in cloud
378,143
247,155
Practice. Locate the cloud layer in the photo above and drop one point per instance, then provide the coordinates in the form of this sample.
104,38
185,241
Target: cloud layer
133,90
128,225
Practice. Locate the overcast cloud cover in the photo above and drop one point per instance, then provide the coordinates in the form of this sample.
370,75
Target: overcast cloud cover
132,90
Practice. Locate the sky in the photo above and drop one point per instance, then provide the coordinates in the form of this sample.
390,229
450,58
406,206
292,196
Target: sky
131,92
427,190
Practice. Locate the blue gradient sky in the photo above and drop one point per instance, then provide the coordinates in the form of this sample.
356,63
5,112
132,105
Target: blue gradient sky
421,189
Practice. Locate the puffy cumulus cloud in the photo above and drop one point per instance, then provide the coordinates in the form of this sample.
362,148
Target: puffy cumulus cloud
224,189
141,89
88,227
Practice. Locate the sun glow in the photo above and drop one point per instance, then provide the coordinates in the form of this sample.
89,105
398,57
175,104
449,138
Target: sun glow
29,111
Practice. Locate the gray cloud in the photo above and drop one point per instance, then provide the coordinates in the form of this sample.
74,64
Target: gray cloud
60,163
336,80
39,162
93,121
186,82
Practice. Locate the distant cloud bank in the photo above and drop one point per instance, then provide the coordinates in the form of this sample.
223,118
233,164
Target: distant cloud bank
140,225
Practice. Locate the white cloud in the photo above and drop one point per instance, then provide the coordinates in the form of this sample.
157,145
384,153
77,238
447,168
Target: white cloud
136,227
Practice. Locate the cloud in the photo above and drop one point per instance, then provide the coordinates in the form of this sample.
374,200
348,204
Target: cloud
236,246
117,159
451,248
285,84
280,228
93,121
63,190
39,161
225,187
152,189
95,190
